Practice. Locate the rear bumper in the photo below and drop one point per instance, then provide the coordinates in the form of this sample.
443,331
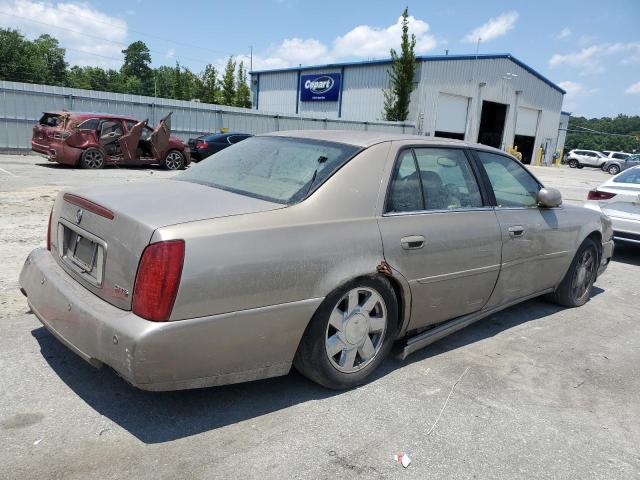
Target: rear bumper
201,352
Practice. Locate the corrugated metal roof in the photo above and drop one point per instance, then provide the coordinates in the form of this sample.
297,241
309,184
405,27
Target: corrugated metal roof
423,58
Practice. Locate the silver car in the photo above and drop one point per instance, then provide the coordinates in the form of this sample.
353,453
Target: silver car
316,249
619,199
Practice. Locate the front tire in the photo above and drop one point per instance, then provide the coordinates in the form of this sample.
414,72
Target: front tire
575,288
573,163
350,334
613,169
92,158
173,160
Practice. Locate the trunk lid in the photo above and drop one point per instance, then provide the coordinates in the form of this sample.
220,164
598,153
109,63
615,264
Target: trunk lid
625,204
99,234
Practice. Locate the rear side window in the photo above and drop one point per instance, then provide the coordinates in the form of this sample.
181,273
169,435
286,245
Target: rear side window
433,179
619,156
50,120
405,194
512,185
447,179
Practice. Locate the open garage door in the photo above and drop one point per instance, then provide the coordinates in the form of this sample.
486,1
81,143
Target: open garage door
492,123
451,117
525,135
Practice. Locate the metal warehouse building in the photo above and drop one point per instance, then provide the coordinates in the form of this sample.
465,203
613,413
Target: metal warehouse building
492,99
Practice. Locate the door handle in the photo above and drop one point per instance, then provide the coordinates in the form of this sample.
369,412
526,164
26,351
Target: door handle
516,231
412,242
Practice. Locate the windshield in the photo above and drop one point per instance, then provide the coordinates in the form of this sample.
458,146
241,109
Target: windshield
277,169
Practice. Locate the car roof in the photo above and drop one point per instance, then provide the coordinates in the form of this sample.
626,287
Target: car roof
366,139
87,115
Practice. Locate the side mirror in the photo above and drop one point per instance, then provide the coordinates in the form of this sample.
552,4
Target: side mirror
549,198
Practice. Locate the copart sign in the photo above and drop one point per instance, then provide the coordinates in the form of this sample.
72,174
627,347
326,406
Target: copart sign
323,87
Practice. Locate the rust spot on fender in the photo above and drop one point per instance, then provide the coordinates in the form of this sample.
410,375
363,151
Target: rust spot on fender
384,268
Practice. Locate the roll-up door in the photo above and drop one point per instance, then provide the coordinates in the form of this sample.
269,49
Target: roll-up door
527,121
452,113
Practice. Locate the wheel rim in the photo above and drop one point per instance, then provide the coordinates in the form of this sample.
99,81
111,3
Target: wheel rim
613,170
173,161
356,329
93,158
583,276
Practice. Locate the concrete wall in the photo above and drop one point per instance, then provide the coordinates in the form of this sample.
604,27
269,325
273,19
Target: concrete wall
22,104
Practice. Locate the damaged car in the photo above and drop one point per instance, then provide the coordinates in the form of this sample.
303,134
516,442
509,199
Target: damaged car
90,140
313,249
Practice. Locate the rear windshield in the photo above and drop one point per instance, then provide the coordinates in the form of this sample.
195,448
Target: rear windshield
51,120
629,176
276,169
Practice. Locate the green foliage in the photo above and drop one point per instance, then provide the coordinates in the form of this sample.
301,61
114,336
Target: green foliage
403,68
137,61
621,125
43,61
210,89
228,83
243,94
37,61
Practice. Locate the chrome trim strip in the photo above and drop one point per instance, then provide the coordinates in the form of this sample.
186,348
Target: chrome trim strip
429,212
544,256
460,274
430,336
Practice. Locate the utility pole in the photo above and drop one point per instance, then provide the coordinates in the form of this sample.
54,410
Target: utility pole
250,58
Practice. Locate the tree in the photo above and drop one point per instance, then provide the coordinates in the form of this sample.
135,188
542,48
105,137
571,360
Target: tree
243,93
228,83
626,129
137,61
210,90
403,68
38,61
50,60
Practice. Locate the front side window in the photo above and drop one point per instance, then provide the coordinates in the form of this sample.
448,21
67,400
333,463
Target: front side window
276,169
433,179
512,185
91,124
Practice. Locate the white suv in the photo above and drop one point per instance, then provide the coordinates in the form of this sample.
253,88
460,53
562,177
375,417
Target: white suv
588,158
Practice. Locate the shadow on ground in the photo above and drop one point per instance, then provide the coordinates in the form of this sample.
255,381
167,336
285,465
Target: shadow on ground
627,253
166,416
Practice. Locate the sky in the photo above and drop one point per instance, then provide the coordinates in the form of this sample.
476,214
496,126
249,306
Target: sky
589,48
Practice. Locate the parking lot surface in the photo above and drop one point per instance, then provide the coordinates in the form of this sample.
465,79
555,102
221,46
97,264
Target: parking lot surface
535,391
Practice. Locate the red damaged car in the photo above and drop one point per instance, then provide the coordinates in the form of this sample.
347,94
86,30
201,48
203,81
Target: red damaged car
91,140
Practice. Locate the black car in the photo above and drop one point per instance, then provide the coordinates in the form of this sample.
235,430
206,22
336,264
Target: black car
206,145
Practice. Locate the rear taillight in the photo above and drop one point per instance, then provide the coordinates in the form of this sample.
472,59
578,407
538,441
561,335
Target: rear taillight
597,195
201,144
157,280
49,231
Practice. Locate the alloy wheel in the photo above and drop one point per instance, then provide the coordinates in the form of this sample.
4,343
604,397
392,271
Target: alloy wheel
356,329
93,159
173,161
584,274
614,170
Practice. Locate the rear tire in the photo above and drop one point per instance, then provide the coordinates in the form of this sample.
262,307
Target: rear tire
575,288
573,163
613,169
92,158
350,334
173,160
